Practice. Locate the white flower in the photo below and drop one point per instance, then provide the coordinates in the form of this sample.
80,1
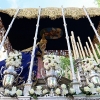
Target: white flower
63,86
45,91
64,92
38,92
72,91
45,56
46,60
85,69
92,66
89,68
96,68
91,85
10,54
19,92
39,87
14,59
87,89
46,67
31,91
98,89
12,93
6,92
57,91
56,67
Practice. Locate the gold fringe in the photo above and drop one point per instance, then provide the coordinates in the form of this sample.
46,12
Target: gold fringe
53,13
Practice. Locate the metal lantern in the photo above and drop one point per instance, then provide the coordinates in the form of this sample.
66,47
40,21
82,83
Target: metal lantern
9,76
52,77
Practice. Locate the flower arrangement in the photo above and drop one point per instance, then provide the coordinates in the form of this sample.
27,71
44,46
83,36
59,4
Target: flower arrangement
89,64
38,91
62,90
14,59
90,89
14,92
51,61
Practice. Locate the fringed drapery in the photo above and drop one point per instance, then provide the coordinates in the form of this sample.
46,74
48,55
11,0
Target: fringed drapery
53,13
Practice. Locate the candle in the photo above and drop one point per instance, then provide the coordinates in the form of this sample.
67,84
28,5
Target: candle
86,51
95,55
74,42
80,53
89,50
81,47
97,48
73,48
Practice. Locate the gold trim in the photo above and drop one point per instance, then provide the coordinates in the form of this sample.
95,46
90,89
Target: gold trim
53,13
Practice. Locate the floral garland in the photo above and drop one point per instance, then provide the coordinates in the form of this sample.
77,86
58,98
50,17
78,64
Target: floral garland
13,92
91,89
60,91
14,59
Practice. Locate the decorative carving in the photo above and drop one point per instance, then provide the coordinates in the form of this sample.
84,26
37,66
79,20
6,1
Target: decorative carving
7,45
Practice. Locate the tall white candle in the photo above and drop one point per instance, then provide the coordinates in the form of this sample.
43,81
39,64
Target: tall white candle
97,48
89,50
73,48
86,51
79,50
95,55
81,47
76,50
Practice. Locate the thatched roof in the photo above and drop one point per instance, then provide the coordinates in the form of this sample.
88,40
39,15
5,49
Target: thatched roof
53,13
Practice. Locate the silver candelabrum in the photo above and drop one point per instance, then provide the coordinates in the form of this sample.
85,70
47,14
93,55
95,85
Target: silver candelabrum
52,77
93,77
9,75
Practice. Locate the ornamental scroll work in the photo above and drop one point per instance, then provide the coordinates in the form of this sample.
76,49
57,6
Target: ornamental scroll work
53,13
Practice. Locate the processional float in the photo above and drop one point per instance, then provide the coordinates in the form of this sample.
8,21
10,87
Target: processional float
80,55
